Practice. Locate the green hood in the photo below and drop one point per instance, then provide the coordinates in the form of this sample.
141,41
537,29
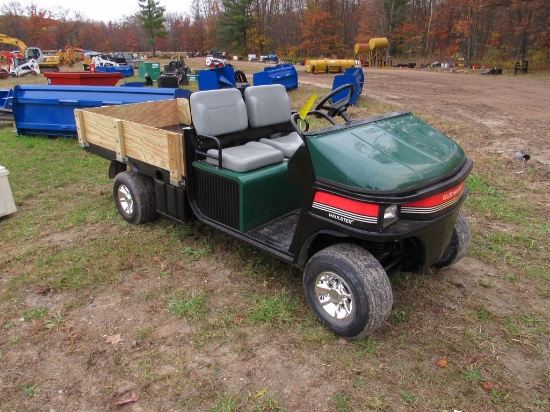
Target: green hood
396,152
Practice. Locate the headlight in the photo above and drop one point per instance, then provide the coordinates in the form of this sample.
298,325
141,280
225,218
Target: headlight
391,215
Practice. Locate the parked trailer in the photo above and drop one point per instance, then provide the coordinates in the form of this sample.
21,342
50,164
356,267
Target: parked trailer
346,203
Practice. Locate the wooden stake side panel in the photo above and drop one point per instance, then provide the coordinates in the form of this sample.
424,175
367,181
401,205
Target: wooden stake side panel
159,113
184,111
99,129
160,148
80,129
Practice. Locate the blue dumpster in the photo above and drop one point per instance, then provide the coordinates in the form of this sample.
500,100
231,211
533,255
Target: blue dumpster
284,74
49,110
353,75
127,71
219,78
5,98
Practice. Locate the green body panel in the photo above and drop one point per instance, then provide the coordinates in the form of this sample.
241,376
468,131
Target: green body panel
264,194
392,153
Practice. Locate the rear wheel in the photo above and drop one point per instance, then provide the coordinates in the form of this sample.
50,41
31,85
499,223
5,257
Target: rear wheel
458,246
348,290
134,195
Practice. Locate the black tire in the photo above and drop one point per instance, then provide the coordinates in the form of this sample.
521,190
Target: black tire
348,290
134,195
458,246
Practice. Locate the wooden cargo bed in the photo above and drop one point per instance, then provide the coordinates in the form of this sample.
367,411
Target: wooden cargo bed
149,132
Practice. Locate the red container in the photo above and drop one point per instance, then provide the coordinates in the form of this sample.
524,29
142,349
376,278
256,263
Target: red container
83,78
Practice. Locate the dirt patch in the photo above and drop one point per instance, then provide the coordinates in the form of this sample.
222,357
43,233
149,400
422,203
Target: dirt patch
122,348
508,113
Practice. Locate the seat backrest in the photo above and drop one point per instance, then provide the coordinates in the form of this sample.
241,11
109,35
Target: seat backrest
217,112
267,105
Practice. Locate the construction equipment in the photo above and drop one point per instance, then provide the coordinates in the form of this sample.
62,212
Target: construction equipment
44,62
68,56
18,66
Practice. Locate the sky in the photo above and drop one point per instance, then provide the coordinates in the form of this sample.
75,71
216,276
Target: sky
106,10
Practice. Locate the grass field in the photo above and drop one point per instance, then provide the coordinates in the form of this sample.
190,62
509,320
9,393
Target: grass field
97,314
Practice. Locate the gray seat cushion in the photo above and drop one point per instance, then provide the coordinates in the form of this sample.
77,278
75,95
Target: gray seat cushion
217,112
287,144
247,157
267,105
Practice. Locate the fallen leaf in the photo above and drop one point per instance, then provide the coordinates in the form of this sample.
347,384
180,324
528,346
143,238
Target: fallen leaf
127,401
44,290
113,339
488,386
442,363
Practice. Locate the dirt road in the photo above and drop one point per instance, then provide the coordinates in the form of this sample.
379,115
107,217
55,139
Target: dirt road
511,113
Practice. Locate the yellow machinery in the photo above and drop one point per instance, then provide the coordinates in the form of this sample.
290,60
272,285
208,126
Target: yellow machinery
373,53
328,65
67,56
45,62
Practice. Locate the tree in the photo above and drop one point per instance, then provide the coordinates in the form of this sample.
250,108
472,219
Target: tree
320,33
235,21
152,17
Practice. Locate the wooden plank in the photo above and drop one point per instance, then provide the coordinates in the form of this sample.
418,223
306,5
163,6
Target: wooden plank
99,130
80,129
159,113
119,139
184,111
175,149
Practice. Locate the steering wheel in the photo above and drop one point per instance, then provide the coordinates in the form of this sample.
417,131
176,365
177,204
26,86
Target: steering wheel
302,125
340,107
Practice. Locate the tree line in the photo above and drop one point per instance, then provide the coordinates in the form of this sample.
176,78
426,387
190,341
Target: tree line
487,32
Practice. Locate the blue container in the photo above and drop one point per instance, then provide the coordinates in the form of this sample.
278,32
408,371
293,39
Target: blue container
132,84
353,75
284,74
5,98
49,110
220,78
127,71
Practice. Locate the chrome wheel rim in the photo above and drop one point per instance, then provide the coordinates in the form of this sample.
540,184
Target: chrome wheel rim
334,296
125,199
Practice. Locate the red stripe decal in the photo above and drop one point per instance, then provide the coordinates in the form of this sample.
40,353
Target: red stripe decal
440,198
353,206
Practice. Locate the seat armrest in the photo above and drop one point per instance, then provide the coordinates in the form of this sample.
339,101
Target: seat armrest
215,140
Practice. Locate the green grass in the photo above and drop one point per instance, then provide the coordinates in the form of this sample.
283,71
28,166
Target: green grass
275,310
208,322
188,305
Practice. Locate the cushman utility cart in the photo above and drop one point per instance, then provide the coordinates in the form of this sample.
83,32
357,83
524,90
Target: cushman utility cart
346,202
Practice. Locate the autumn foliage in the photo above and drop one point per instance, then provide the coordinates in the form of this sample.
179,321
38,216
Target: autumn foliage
484,32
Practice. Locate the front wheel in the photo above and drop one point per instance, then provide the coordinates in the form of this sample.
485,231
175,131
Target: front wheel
458,246
134,195
348,290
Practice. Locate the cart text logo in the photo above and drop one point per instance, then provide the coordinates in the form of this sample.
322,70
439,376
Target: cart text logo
453,193
340,218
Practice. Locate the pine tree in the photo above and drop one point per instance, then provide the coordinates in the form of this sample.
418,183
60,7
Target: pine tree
235,21
152,17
